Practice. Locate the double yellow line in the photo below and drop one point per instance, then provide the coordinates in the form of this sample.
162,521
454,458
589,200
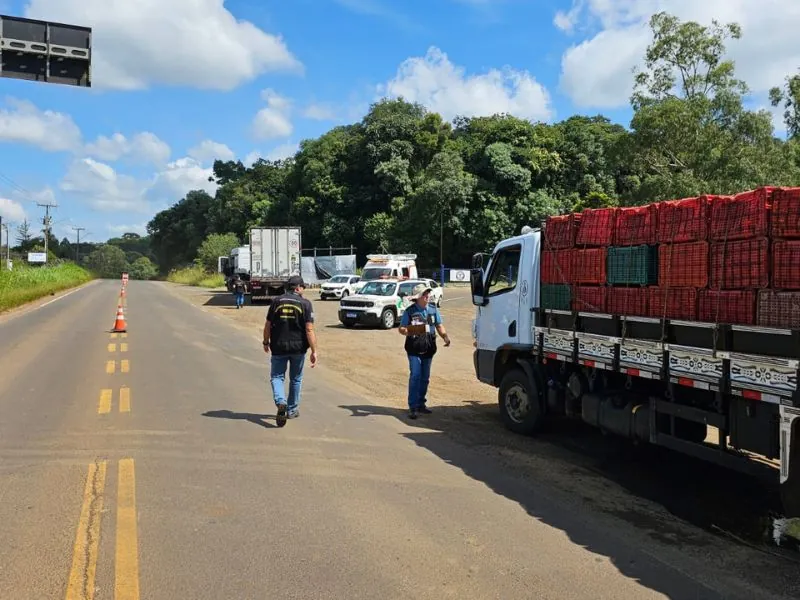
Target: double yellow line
106,395
81,583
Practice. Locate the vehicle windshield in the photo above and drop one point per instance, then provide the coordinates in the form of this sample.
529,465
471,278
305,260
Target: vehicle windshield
338,279
375,273
379,288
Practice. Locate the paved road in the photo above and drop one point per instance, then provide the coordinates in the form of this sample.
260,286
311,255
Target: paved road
149,466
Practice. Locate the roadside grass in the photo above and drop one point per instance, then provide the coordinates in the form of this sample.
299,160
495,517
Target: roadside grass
196,276
25,284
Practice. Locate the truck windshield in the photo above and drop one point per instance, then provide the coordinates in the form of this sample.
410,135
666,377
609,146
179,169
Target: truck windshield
379,288
375,273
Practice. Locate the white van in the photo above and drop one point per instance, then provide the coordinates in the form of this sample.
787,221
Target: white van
388,266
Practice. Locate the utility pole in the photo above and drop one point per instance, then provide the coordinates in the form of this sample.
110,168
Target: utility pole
8,242
78,248
46,223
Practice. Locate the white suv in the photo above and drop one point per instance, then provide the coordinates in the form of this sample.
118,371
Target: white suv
339,286
380,303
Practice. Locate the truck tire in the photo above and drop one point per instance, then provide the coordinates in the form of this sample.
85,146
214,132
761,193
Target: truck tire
519,402
388,318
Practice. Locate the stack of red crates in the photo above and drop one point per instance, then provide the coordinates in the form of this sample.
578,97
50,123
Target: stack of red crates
721,259
779,306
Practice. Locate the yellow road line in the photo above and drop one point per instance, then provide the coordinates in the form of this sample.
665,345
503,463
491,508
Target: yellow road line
84,555
113,336
125,400
123,347
111,366
124,336
125,366
104,407
126,586
112,347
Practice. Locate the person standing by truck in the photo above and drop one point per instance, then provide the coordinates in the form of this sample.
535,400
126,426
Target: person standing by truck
238,291
419,324
289,334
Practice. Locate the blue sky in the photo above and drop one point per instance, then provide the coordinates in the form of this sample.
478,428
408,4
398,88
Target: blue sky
179,82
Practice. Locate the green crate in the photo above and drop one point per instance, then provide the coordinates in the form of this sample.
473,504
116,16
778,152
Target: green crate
556,297
633,265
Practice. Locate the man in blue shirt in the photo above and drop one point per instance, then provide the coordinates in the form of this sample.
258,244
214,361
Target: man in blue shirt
419,324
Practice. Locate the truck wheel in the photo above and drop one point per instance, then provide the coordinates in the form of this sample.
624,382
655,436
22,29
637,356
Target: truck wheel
520,407
387,318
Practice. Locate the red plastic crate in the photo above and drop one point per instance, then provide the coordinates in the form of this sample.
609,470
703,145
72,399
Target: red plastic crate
779,309
740,217
560,231
589,265
596,227
786,265
740,265
556,266
683,220
785,218
636,225
630,302
589,298
735,307
683,265
672,303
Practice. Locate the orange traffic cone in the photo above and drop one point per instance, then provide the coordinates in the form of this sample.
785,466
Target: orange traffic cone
119,325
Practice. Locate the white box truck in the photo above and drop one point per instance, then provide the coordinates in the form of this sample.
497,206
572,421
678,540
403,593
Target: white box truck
274,257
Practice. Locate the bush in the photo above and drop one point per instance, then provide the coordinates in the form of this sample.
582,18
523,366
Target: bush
196,276
142,268
25,284
214,246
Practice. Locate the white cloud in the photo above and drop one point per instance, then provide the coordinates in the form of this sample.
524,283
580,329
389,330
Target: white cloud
23,123
118,230
597,72
182,176
197,43
251,158
283,151
11,210
273,121
142,147
99,185
319,112
445,88
207,151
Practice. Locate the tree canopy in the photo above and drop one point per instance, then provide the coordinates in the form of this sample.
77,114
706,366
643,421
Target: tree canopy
404,180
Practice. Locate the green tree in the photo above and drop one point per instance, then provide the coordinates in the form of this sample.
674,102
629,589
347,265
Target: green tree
142,268
789,96
214,246
108,262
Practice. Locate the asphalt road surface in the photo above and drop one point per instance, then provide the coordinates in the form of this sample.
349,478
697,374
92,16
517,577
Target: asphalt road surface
148,465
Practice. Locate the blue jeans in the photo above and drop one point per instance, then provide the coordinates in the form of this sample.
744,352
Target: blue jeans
239,298
278,376
420,374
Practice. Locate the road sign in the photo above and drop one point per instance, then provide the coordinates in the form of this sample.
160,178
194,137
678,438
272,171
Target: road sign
45,51
460,275
37,257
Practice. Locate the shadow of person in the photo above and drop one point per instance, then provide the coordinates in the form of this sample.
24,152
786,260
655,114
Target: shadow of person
237,416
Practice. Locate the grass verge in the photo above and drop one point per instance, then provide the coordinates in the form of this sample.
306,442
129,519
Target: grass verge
25,284
196,276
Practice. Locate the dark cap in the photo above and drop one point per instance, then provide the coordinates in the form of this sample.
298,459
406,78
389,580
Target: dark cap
295,281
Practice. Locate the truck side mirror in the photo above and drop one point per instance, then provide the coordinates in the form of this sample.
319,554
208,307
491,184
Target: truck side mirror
476,281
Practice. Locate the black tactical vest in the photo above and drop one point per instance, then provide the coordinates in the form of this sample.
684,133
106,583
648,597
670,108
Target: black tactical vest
421,345
288,326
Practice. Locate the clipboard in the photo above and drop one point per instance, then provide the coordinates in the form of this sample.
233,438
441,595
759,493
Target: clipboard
417,329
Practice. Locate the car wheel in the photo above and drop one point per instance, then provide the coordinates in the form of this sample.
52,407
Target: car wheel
349,324
345,293
387,318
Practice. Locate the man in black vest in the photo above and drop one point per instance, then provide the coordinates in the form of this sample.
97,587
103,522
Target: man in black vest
288,334
419,324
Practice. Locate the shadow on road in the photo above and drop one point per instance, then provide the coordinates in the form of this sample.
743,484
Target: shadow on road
235,416
221,299
579,462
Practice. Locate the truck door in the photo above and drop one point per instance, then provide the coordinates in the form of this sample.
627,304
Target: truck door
498,322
